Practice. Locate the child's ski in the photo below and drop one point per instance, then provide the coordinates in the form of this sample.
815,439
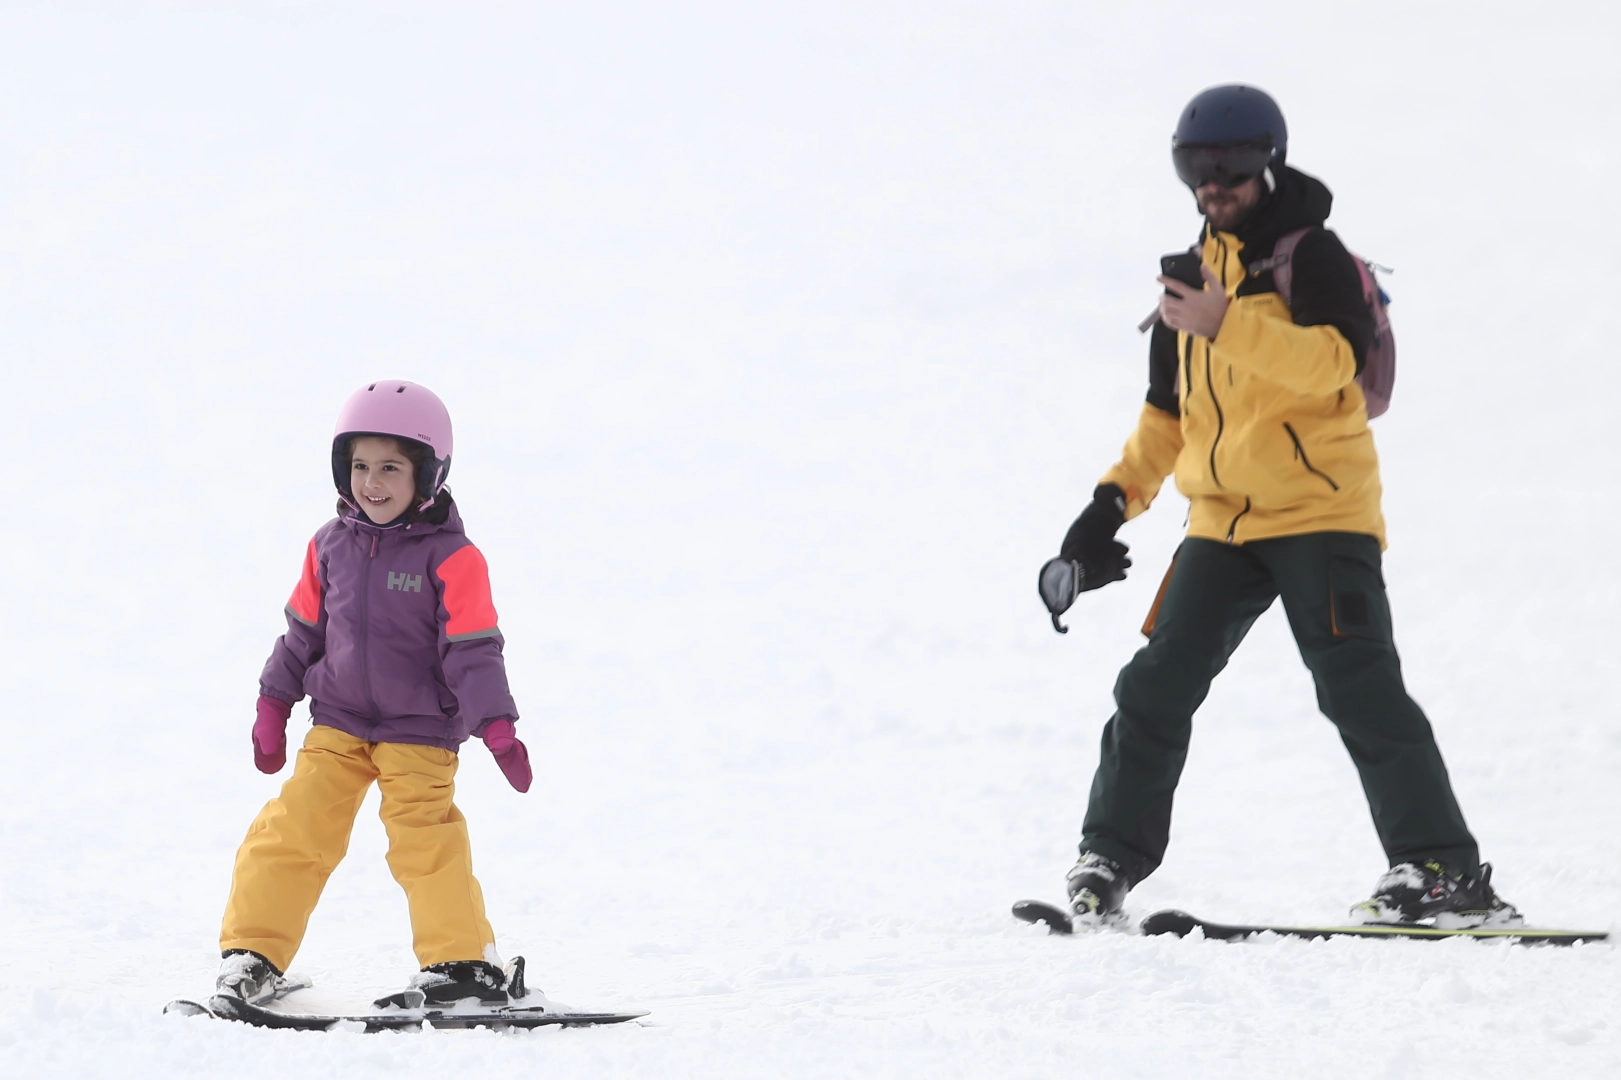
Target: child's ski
287,985
404,1011
506,1016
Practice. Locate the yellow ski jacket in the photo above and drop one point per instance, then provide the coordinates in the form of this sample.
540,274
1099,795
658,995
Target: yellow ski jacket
1265,426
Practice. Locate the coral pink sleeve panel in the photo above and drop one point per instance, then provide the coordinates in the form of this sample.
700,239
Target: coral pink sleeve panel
305,603
467,601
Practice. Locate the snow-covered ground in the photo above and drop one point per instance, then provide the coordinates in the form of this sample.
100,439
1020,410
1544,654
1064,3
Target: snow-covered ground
783,342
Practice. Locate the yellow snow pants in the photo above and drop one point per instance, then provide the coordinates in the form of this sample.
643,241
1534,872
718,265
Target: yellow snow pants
300,836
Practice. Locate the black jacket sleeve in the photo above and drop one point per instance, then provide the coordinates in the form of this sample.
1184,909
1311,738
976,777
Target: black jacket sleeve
1162,365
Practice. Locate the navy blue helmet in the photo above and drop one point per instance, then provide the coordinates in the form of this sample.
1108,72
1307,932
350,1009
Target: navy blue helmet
1227,135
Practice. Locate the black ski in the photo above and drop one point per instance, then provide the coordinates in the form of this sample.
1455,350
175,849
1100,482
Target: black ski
1055,918
506,1016
185,1007
1181,924
404,1011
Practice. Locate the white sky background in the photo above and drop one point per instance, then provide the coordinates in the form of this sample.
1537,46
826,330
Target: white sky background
782,342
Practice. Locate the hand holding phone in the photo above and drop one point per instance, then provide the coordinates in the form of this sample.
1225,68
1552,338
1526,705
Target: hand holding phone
1184,267
1180,266
1202,307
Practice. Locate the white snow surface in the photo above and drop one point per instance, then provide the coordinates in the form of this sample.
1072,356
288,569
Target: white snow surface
783,343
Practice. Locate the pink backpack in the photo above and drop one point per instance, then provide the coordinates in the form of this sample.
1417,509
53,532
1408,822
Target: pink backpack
1378,378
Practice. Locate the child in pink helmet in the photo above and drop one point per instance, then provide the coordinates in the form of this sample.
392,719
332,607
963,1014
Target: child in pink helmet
392,634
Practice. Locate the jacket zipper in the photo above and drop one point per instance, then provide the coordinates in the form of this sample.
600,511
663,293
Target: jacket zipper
1221,419
1232,527
1209,377
1300,452
365,637
1187,367
1232,530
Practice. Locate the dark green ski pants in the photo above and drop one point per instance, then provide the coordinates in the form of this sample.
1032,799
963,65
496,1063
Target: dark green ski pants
1334,594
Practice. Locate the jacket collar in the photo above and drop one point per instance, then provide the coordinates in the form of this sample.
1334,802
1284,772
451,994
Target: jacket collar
358,522
1296,201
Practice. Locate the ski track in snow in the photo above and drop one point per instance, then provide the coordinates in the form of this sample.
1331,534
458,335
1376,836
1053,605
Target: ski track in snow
782,348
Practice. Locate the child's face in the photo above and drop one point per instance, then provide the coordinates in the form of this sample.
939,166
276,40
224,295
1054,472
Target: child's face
382,478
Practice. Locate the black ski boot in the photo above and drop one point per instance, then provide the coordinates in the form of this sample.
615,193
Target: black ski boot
1436,894
1097,889
247,975
439,985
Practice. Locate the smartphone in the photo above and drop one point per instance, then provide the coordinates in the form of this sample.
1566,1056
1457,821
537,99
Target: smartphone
1184,267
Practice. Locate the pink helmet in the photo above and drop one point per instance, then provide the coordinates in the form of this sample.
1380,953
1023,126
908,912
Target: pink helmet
403,410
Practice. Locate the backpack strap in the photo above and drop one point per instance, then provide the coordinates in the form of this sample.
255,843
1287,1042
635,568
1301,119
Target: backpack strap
1279,263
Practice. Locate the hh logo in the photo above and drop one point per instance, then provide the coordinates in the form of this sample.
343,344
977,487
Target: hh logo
405,582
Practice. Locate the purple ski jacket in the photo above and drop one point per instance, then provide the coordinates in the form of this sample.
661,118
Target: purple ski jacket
392,634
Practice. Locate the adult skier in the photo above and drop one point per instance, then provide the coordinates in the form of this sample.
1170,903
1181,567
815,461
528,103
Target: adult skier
1254,405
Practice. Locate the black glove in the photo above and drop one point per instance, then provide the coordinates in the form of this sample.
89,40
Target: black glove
1091,557
1090,541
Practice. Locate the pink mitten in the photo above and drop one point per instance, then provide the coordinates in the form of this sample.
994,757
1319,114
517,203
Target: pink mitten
270,734
510,754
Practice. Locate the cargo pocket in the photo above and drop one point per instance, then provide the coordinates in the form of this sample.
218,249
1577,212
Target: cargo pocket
1357,605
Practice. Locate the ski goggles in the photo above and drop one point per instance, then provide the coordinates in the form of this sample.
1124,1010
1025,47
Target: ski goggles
1225,166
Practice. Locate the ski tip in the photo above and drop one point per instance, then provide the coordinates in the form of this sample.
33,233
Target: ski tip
229,1007
183,1007
1055,918
1178,923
